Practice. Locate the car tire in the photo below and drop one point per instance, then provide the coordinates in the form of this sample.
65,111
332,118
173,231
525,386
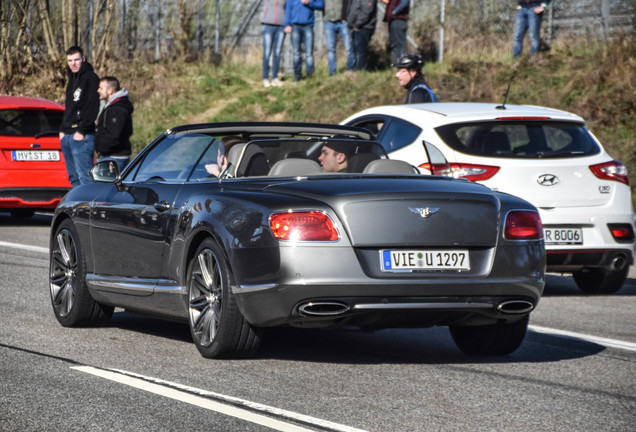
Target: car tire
492,340
217,326
600,280
72,303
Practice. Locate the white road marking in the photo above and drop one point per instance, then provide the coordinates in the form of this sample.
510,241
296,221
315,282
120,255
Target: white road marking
611,343
25,247
606,342
231,407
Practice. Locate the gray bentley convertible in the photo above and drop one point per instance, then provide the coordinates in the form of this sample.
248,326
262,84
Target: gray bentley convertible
237,227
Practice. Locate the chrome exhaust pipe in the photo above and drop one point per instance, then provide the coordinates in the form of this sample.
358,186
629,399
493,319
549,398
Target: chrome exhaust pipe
618,262
323,308
515,306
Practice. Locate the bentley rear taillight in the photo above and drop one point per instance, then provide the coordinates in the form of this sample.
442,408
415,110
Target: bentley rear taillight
612,170
523,225
472,172
303,226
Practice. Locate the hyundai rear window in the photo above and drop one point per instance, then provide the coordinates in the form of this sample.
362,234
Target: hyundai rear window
30,123
520,139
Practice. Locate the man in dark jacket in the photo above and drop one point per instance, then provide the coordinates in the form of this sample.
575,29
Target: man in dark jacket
409,75
529,14
361,21
77,131
396,15
114,124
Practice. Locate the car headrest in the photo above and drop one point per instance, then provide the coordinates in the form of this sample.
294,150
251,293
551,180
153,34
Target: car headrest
246,160
233,159
295,167
389,166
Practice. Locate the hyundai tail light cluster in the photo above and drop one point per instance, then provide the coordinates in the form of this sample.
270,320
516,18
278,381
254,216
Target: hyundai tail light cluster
472,172
622,232
612,170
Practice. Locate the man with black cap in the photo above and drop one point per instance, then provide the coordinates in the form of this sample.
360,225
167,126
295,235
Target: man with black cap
333,157
409,75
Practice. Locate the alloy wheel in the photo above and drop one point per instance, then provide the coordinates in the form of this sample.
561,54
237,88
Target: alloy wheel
63,272
205,297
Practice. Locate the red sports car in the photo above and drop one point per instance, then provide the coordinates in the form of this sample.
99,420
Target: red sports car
32,170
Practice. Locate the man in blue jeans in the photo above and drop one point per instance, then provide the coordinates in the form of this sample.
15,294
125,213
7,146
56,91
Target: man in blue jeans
334,17
299,21
77,131
529,14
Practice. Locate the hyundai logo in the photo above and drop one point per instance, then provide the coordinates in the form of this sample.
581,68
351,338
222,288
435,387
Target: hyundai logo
424,212
36,146
548,180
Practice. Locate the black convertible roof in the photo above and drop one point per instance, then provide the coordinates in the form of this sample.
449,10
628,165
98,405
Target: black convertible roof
253,130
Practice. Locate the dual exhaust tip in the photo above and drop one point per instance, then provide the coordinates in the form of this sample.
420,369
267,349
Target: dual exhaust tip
324,308
331,308
515,306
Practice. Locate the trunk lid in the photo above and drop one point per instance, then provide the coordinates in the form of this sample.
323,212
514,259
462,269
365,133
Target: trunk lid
406,212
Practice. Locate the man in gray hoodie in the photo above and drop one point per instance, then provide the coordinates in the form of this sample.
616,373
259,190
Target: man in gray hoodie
273,21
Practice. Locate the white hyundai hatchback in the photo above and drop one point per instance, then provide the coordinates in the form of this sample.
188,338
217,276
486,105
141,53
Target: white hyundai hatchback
543,155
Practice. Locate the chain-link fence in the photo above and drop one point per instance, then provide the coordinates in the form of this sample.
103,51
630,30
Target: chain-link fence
465,25
438,28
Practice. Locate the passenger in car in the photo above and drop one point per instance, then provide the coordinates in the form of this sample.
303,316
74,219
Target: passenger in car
334,158
229,141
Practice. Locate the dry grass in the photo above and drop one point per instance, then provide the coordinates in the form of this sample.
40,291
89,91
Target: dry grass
594,80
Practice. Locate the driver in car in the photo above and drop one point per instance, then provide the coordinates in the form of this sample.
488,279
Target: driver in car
228,142
333,158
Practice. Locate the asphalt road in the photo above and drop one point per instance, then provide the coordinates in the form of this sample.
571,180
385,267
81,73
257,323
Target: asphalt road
575,371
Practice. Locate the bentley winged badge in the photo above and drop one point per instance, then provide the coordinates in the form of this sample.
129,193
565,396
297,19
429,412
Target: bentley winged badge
424,212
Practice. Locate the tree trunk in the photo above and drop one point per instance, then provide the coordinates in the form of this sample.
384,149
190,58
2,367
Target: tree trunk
47,30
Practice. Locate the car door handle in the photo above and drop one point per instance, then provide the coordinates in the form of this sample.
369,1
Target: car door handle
162,206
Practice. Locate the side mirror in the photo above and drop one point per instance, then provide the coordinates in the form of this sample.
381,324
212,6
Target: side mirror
105,172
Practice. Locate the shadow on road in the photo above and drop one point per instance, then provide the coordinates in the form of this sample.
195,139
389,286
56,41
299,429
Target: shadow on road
150,326
38,219
393,346
564,286
409,346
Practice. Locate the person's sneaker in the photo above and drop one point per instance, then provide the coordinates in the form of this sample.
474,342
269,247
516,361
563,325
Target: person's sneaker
276,82
266,83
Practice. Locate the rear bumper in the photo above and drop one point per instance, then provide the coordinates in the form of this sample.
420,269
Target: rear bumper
390,304
31,198
573,260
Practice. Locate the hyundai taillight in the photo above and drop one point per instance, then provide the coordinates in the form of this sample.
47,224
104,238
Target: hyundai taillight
303,226
472,172
612,170
622,233
523,225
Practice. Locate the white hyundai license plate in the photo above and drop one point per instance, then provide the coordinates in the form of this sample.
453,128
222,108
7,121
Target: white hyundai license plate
31,155
400,260
563,236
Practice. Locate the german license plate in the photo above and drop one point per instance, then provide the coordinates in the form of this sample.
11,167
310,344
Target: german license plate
35,155
409,260
563,236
